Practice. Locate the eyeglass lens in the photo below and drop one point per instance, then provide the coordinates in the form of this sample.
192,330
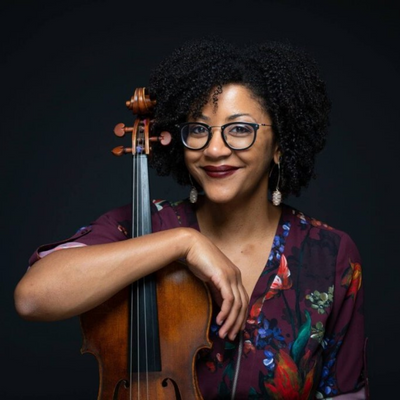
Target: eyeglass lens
237,135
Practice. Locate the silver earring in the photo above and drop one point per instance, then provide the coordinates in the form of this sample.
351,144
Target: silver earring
276,194
193,192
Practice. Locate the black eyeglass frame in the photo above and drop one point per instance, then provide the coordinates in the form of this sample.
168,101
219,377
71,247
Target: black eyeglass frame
254,125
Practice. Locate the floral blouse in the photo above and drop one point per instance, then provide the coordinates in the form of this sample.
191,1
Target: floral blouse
304,336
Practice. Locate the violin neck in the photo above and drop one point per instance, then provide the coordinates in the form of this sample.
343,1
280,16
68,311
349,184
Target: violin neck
141,212
144,331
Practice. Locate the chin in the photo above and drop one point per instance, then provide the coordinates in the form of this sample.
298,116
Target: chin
219,197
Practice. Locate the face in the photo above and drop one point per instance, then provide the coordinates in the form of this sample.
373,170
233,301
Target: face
233,175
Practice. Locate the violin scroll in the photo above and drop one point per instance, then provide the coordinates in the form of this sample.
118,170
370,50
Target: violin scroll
140,103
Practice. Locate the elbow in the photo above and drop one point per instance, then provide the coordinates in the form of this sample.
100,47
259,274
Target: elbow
26,303
22,303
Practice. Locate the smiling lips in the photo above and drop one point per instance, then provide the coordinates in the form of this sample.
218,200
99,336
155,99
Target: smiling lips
221,171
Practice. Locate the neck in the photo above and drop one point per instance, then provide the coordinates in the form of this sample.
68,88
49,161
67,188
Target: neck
242,220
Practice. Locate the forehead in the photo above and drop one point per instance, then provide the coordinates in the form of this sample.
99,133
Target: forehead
233,99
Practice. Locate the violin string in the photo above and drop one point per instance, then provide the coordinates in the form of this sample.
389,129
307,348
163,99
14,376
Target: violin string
146,349
136,234
132,294
134,218
145,305
141,283
138,339
131,339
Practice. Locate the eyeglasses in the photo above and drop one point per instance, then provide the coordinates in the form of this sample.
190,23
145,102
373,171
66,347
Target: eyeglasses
236,135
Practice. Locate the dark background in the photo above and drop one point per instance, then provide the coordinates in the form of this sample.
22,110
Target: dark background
67,69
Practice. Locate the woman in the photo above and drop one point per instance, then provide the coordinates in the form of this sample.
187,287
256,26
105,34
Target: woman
288,320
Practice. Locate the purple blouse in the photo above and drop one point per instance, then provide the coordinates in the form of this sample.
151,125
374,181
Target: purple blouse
304,337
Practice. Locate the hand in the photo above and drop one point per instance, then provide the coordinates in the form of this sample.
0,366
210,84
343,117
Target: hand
223,278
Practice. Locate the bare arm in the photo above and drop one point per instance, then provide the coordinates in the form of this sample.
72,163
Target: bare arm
70,282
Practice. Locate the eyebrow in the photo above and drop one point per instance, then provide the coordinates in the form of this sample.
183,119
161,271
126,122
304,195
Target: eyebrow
235,116
230,118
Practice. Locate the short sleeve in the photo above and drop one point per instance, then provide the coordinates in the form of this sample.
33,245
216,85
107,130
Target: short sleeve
344,360
113,226
116,225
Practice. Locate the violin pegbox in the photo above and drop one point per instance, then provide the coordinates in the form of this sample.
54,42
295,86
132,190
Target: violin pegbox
142,106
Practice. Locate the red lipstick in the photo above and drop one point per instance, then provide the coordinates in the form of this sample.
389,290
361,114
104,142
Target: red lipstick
220,171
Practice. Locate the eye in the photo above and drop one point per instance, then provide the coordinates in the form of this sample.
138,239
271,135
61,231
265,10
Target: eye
196,130
239,129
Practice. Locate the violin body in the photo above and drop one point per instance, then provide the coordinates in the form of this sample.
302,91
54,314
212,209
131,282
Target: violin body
184,315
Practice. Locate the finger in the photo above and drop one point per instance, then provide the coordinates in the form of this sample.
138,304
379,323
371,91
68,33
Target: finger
233,320
242,316
240,320
227,301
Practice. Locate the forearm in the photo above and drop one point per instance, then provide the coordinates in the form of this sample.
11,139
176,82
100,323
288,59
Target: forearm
69,282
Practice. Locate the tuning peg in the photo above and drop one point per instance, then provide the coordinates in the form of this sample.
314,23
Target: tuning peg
120,129
121,150
164,138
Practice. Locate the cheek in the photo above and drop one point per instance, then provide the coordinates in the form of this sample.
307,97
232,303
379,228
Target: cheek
265,157
189,159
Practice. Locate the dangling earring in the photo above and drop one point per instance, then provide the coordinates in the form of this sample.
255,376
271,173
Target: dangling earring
193,192
276,194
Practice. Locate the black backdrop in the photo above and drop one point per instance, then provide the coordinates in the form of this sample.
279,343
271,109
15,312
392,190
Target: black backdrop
67,69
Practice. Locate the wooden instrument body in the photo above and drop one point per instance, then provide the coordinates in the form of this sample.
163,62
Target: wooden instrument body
182,323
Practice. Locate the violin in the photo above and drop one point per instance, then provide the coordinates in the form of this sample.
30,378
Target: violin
146,337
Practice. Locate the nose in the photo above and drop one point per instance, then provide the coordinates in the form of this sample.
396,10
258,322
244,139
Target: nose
216,147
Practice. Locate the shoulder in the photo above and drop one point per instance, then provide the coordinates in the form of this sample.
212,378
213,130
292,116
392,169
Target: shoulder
304,222
121,213
112,226
167,214
305,228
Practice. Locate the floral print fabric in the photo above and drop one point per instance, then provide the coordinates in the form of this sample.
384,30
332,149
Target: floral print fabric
304,336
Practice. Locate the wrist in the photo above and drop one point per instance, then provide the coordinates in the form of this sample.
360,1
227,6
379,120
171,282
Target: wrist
185,240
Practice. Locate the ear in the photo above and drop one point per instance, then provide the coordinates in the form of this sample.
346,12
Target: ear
277,154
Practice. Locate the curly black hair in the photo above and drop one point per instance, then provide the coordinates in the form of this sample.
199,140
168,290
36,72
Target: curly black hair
284,79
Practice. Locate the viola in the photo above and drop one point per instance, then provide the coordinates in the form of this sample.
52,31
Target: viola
147,336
